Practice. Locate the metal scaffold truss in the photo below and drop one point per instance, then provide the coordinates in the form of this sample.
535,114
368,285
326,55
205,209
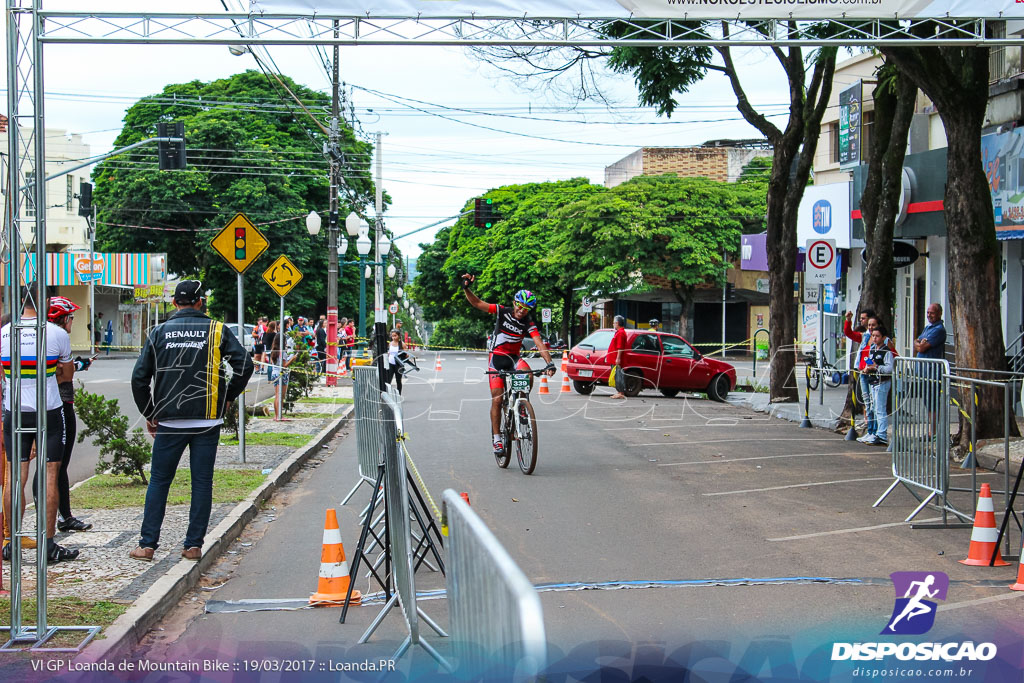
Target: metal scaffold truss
259,29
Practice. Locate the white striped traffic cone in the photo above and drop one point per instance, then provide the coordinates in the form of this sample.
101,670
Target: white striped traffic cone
984,534
544,385
566,387
334,579
437,366
565,362
1019,586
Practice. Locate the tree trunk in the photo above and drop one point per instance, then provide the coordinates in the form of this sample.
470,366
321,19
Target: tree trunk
793,154
894,99
894,111
956,80
782,248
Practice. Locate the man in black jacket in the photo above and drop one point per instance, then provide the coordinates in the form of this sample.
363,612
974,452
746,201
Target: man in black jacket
184,359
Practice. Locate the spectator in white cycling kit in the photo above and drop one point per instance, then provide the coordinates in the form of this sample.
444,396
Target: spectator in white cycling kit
512,324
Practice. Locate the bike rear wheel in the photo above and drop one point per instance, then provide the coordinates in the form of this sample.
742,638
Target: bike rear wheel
506,435
526,441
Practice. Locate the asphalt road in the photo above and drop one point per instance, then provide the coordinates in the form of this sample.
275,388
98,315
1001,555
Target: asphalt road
650,489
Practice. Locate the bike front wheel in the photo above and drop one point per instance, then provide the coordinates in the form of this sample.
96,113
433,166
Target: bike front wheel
526,437
813,378
833,377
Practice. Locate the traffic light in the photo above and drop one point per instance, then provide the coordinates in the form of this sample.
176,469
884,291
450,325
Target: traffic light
240,244
171,154
483,213
85,199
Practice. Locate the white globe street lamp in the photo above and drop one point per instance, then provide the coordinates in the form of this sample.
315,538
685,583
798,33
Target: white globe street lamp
313,223
352,224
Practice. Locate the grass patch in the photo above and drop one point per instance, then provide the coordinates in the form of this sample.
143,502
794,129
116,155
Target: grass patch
69,611
300,415
108,491
325,399
268,439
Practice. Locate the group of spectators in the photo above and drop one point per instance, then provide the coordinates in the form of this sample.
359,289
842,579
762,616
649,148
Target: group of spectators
181,387
874,361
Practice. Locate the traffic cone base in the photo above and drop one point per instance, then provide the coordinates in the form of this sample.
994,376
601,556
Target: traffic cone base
333,584
1019,586
984,535
544,385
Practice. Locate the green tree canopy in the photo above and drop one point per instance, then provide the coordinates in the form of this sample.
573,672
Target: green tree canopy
569,238
250,151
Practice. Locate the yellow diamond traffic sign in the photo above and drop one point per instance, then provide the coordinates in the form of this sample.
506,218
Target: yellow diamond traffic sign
282,275
240,243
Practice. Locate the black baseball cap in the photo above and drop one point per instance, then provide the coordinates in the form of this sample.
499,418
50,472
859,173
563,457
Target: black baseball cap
188,292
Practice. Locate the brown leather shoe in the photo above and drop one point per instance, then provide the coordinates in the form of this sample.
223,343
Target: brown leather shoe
143,554
192,553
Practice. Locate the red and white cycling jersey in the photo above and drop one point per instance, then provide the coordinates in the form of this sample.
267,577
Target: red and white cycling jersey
508,334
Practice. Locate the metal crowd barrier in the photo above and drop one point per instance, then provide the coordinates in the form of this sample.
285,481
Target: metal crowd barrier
495,615
1007,384
399,531
369,440
920,433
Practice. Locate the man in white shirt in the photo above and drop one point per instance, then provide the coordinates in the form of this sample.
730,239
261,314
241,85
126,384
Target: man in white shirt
56,367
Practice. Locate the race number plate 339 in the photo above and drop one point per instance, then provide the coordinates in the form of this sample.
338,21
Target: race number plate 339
520,382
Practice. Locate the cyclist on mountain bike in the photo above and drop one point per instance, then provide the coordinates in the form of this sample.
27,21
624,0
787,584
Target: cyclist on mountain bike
512,323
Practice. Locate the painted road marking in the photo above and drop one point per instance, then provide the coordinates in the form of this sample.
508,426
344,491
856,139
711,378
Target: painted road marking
821,483
853,530
693,443
760,457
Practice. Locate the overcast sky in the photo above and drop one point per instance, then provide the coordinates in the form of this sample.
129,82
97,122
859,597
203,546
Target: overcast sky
436,155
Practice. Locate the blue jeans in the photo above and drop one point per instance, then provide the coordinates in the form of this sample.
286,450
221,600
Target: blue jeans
879,404
168,447
865,392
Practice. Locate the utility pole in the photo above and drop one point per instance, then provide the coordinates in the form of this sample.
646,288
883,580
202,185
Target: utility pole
379,316
332,229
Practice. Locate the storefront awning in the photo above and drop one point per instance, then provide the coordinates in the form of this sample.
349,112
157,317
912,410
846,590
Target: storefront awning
77,268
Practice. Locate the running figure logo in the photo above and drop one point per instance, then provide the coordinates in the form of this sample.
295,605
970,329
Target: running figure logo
914,613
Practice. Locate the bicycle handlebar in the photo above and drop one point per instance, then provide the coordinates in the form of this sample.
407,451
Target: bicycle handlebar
516,372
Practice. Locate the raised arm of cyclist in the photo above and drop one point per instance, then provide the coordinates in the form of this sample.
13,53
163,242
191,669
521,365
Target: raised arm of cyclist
512,324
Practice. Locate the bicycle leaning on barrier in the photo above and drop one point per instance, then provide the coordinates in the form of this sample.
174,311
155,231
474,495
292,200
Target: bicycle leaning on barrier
518,421
833,375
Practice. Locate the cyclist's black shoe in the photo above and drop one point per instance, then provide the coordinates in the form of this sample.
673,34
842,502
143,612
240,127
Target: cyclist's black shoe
60,554
73,524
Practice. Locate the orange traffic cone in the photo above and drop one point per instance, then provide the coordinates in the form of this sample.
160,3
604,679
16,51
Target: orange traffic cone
984,534
565,363
437,367
544,385
566,387
334,579
1019,586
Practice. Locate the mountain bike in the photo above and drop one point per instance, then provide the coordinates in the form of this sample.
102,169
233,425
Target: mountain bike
518,422
833,375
